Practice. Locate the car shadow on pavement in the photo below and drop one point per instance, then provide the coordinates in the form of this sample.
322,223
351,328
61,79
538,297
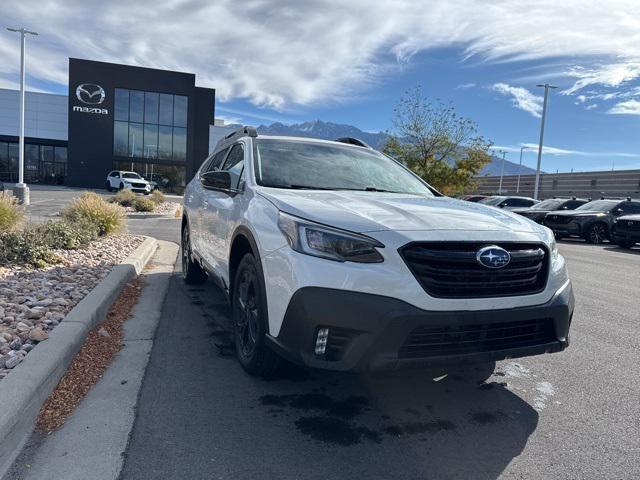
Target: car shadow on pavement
631,251
201,416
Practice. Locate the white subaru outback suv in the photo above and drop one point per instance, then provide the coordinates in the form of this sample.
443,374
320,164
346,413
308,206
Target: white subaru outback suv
335,256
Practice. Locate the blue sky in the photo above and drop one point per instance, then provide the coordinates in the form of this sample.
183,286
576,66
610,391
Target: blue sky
293,61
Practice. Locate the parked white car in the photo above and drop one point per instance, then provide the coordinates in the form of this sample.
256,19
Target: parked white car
335,256
118,180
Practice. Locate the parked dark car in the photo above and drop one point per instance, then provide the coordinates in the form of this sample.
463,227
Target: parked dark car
508,203
538,211
473,198
626,230
592,221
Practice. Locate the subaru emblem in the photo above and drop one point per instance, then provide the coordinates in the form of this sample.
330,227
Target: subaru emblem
493,257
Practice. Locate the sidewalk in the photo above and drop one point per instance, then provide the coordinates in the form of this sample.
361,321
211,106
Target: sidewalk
92,442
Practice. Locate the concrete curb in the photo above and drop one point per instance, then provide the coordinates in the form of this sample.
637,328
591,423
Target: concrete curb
23,392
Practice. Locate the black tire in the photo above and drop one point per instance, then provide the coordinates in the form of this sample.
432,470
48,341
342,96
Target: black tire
559,236
250,320
121,186
109,187
597,233
474,373
146,193
192,272
625,243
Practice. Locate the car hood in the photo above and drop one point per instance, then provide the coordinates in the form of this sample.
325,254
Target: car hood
375,211
136,180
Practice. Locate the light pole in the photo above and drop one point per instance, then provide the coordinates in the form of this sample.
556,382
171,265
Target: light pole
21,190
544,114
501,173
518,185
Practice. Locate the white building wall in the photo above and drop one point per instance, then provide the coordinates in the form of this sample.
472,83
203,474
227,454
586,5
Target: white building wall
45,115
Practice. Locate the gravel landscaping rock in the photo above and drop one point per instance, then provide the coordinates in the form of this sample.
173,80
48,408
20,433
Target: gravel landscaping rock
34,301
164,208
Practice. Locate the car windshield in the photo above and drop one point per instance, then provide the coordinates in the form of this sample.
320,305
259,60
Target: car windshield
492,200
130,175
323,166
599,205
550,204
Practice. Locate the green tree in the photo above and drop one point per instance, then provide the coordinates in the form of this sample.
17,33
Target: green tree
435,142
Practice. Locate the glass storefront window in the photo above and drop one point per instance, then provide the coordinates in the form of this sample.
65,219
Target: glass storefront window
179,143
135,140
46,153
169,178
122,104
180,111
60,155
136,106
151,107
150,125
165,142
150,141
121,139
166,109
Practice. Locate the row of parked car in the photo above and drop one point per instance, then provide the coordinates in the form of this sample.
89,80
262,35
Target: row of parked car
613,219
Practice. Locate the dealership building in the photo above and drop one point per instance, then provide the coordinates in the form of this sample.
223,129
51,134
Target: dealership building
115,117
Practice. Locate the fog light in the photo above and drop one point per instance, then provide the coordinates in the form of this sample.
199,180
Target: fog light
321,341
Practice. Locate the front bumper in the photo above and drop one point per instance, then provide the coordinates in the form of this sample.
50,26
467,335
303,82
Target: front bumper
370,332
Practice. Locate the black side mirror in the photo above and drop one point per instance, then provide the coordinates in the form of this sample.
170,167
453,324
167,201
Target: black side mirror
618,211
216,180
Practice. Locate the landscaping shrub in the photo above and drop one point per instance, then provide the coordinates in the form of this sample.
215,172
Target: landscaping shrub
69,236
144,205
90,207
27,246
125,197
157,196
10,213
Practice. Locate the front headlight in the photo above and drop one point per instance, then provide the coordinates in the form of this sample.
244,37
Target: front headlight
327,242
550,240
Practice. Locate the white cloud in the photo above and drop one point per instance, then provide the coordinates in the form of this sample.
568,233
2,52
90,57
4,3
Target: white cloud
591,107
521,98
628,107
465,86
556,151
290,52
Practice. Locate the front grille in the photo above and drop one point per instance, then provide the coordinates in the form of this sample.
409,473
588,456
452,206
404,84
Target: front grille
138,185
558,219
337,343
628,225
450,269
431,341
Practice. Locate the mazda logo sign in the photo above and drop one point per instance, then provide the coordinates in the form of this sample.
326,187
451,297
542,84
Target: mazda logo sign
493,257
90,93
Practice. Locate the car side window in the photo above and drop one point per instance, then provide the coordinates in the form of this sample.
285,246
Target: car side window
630,207
234,164
215,163
115,174
572,205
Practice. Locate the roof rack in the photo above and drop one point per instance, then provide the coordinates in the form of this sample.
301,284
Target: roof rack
353,141
243,131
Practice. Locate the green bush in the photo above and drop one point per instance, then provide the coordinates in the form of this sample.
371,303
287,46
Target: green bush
10,213
125,197
157,196
90,207
144,205
69,236
27,246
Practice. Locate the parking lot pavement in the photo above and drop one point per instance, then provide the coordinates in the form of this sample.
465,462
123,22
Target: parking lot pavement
568,415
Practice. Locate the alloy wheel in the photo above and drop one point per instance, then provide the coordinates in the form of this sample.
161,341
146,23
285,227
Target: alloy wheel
598,233
247,312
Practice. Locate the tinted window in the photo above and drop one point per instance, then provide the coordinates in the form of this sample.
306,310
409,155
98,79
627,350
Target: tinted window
166,109
122,104
136,106
630,207
179,143
130,175
180,111
151,107
599,205
165,142
234,164
550,204
315,165
150,141
121,139
517,202
491,201
572,204
60,154
135,139
216,162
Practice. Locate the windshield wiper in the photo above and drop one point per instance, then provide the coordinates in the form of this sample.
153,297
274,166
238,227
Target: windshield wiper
306,187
